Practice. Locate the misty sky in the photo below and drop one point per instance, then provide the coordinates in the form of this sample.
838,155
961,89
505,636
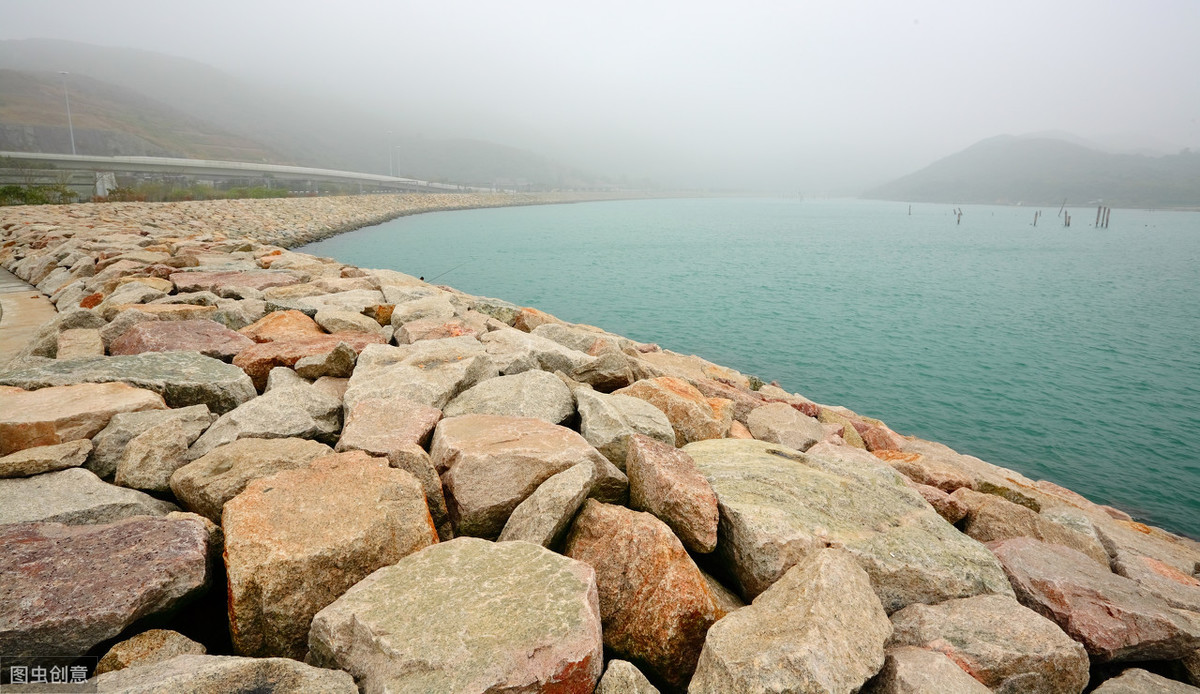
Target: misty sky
807,96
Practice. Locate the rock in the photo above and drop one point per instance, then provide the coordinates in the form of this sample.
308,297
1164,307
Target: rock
654,604
1137,681
909,670
79,343
299,411
608,421
217,674
431,372
258,360
126,295
990,517
349,301
543,516
947,506
1112,616
152,456
399,430
665,481
69,587
35,461
333,387
514,351
433,329
148,647
217,281
44,342
507,616
299,539
1009,648
726,600
1119,536
75,497
205,336
338,363
527,394
581,338
781,423
689,412
622,677
335,321
778,506
1176,588
925,470
490,464
283,377
54,415
206,484
819,628
110,444
282,325
181,378
436,307
609,371
1191,666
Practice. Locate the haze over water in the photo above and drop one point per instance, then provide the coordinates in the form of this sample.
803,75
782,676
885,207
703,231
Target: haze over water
1067,354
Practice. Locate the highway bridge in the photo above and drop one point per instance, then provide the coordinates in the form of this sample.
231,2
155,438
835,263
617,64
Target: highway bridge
85,172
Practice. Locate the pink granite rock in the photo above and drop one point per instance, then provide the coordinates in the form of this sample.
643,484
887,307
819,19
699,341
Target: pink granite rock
214,281
258,360
665,481
280,325
210,338
50,416
690,413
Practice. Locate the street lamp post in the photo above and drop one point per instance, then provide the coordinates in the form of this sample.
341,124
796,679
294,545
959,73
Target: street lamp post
70,125
391,165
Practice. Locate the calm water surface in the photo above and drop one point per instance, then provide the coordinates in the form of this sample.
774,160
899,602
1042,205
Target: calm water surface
1071,355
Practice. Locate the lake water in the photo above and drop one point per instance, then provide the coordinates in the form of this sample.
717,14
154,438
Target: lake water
1071,355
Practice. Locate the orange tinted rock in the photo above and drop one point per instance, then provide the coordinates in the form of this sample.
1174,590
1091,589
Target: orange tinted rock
91,300
432,329
258,360
530,318
55,415
689,412
654,604
279,325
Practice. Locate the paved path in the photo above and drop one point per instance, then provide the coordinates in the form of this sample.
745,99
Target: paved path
23,309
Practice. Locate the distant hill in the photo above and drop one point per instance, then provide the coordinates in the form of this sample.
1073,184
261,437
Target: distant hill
1044,171
266,122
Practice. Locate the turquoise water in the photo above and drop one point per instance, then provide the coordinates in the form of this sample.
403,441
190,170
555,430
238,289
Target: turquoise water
1071,355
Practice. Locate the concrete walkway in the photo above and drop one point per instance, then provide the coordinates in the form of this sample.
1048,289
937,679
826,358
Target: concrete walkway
23,309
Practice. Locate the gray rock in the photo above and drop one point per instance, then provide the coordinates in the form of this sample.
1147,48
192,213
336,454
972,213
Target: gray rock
1137,681
204,485
622,677
336,321
44,342
152,456
35,461
579,338
283,377
300,412
218,674
431,372
496,308
338,363
1008,647
778,506
402,294
1174,587
181,378
152,646
543,516
528,394
438,307
109,445
514,351
507,616
781,423
910,670
236,315
75,497
819,628
351,301
190,299
607,422
67,588
131,293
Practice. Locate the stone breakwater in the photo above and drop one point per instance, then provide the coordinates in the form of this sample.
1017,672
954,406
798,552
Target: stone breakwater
228,466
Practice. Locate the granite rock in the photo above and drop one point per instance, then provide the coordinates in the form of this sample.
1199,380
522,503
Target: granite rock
300,412
1138,681
54,415
665,481
782,424
910,670
689,412
153,646
207,337
623,677
543,516
110,444
73,496
608,421
218,674
35,461
527,394
431,372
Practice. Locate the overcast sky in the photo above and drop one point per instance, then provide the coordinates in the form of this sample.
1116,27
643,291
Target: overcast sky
814,96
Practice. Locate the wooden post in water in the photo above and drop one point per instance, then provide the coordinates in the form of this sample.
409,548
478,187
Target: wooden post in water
1035,216
1099,211
1107,210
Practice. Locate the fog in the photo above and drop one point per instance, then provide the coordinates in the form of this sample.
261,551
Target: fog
811,97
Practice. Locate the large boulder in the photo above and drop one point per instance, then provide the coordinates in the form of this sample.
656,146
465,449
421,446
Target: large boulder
778,506
67,588
489,464
299,411
781,423
152,646
910,670
73,496
607,422
1008,647
527,394
1138,681
543,516
207,337
990,517
55,415
819,628
35,461
1176,588
282,325
218,282
690,413
295,541
110,444
507,616
181,378
151,457
665,481
431,372
206,484
623,677
258,360
217,674
514,351
1113,617
655,605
